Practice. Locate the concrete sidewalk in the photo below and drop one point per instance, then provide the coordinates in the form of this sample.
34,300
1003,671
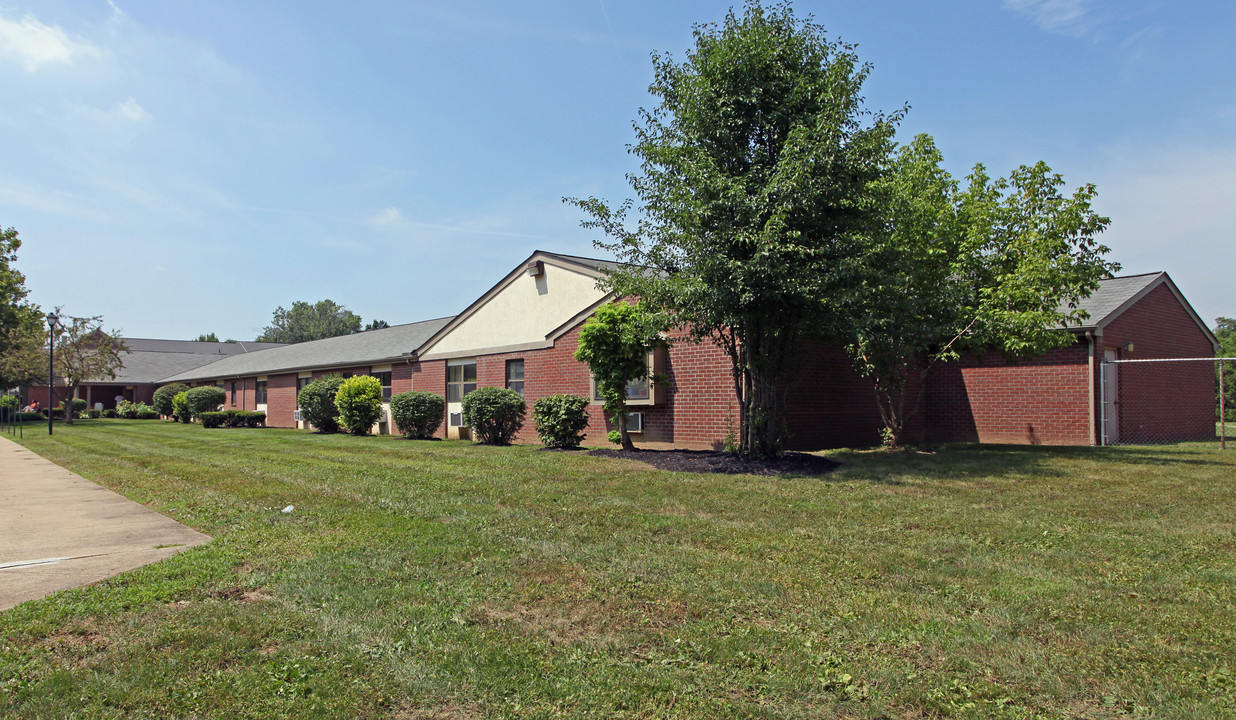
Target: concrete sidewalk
58,530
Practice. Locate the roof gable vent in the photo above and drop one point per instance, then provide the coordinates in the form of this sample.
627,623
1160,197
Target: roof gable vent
536,268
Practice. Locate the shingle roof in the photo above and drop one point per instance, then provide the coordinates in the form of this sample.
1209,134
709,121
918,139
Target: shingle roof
1111,296
149,360
365,348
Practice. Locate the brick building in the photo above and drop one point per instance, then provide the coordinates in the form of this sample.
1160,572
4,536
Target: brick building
523,333
146,365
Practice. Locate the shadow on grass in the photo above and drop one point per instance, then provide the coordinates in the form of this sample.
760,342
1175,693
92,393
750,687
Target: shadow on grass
973,461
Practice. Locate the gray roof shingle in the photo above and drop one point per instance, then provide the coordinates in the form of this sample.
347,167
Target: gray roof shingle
149,360
364,348
1111,295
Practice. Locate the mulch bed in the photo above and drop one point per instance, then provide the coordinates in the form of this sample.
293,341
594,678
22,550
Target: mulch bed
713,461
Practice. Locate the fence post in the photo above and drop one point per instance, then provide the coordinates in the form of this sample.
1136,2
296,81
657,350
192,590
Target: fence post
1222,410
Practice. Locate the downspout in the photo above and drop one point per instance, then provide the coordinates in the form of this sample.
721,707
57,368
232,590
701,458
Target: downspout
1094,436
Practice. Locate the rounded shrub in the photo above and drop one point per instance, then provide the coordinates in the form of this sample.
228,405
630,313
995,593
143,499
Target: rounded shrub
418,414
496,414
163,398
207,398
317,403
359,402
180,407
560,420
212,419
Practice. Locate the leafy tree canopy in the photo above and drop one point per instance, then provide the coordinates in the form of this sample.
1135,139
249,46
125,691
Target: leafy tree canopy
1001,264
376,325
305,322
207,337
23,337
84,351
756,199
614,344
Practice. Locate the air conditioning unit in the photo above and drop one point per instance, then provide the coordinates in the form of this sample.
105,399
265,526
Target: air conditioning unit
298,417
635,422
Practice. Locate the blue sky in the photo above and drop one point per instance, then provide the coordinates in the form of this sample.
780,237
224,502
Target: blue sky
183,167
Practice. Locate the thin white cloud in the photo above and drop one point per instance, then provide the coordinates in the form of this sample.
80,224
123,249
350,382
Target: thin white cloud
130,110
390,217
32,44
1064,17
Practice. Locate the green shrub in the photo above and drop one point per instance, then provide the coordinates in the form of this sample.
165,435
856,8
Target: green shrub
317,403
359,401
163,398
30,416
147,412
496,414
254,419
79,404
211,419
560,420
126,410
9,402
180,407
418,414
94,414
207,398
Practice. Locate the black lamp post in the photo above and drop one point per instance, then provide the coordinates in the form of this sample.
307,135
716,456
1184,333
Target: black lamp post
52,319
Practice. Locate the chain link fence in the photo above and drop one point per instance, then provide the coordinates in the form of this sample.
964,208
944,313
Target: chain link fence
1169,400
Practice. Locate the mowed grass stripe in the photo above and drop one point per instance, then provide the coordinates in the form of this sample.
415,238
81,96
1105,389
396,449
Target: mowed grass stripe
438,579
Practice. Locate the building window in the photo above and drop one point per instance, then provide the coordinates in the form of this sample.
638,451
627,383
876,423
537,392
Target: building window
259,393
301,382
460,380
385,379
515,376
233,393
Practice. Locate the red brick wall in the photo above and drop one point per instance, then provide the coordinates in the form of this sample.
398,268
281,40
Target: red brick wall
281,400
431,377
831,405
1161,402
986,399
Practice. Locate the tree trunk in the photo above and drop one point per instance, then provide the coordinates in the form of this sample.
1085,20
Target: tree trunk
622,431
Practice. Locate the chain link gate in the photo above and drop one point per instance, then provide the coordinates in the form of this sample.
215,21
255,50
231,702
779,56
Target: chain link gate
1164,400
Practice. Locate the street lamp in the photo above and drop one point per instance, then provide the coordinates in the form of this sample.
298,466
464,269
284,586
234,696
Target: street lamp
52,319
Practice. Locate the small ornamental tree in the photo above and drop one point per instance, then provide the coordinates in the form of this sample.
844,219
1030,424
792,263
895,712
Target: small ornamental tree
85,352
180,407
418,414
359,402
560,420
496,414
317,403
207,398
614,344
163,397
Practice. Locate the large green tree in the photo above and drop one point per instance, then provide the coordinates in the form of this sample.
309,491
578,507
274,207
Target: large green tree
1001,264
304,322
756,199
22,336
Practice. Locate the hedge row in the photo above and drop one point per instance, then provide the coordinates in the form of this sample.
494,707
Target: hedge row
232,418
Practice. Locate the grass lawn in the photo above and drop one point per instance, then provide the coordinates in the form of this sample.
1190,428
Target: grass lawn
422,579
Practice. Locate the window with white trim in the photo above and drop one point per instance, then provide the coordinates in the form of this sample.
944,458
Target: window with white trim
515,376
